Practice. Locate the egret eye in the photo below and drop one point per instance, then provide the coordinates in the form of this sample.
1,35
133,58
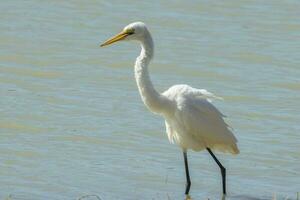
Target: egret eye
130,31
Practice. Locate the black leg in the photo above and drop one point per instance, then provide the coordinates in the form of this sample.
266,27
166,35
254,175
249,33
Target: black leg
188,180
223,170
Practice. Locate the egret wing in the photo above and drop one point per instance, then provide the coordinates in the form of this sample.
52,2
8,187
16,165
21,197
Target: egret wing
205,122
196,117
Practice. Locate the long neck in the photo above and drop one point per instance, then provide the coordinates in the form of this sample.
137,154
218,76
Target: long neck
151,98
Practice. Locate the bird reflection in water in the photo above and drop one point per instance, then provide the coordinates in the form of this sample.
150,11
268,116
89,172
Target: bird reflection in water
236,197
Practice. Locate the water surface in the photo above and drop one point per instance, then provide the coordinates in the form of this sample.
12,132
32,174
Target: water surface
72,122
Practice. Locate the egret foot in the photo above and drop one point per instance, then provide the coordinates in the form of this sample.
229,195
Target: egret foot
188,197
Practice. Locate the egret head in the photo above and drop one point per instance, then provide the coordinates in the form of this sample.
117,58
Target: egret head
133,31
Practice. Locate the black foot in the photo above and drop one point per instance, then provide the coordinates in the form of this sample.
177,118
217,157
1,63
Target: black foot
187,187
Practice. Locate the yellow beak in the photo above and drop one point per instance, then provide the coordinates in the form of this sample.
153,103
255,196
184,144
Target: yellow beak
116,38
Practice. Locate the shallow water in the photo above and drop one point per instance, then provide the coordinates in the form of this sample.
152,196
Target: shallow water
72,122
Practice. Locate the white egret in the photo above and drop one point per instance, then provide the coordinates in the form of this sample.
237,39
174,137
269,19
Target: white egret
192,122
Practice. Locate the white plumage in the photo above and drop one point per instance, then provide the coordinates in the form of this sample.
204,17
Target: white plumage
192,121
196,123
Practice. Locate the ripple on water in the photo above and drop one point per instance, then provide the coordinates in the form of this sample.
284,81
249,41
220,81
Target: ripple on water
19,127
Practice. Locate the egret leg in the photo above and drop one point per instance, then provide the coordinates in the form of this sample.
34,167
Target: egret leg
223,170
188,180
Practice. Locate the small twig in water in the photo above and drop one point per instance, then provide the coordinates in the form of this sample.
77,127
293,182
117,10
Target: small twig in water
169,198
166,179
90,195
9,197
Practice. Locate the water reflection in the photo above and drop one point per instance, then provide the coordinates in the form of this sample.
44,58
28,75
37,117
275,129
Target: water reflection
234,197
27,196
244,197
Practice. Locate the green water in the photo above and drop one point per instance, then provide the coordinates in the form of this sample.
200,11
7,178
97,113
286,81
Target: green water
72,122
